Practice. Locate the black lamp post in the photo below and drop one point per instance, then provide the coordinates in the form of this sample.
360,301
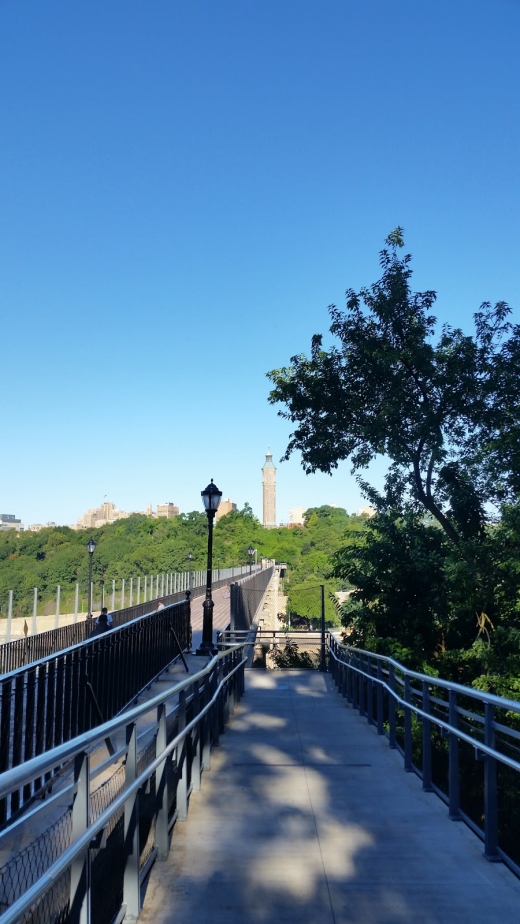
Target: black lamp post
250,552
211,497
91,548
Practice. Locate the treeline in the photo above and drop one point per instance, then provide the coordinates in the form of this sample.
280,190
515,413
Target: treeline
140,546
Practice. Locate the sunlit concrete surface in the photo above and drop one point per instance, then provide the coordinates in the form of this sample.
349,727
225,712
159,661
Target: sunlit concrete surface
307,816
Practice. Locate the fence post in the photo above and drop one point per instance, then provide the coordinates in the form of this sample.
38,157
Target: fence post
35,611
9,617
323,659
57,614
408,763
182,762
380,722
123,594
131,889
79,871
113,595
161,824
453,772
233,605
138,589
391,706
162,585
490,790
426,741
131,603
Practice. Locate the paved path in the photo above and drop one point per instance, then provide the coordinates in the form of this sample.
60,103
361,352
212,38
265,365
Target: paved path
220,614
307,816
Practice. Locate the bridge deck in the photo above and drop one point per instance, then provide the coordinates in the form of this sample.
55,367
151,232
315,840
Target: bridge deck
307,816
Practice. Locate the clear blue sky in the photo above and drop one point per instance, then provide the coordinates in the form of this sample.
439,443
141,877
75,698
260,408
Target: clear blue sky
185,187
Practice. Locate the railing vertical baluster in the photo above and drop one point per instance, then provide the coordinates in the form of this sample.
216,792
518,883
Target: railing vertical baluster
131,886
490,789
161,777
453,772
182,762
206,726
5,729
196,740
40,715
17,733
29,725
49,719
380,718
408,761
426,741
391,707
370,693
79,872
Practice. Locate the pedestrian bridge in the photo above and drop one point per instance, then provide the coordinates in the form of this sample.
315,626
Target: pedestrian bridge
302,811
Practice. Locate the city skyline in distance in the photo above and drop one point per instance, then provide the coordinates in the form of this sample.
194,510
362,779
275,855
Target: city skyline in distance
294,489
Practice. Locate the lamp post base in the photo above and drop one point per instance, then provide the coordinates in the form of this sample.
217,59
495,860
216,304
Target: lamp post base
206,647
206,650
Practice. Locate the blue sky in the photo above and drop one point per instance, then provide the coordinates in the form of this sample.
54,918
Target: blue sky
185,187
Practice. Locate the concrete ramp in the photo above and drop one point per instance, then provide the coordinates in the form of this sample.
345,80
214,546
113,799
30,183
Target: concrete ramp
308,817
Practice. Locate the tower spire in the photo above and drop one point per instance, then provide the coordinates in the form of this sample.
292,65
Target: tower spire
269,491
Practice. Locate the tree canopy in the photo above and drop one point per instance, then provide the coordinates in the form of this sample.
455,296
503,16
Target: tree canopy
445,412
435,573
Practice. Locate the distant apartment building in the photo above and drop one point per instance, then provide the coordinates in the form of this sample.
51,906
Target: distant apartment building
100,516
168,510
297,516
9,521
225,506
37,527
367,511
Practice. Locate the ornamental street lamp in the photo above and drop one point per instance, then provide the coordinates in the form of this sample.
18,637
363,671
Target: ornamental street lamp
250,552
211,497
91,548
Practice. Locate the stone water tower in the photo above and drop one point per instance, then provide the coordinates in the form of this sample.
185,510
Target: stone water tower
269,491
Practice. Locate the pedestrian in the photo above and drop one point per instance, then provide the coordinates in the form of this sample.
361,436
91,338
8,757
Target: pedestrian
160,605
102,624
109,620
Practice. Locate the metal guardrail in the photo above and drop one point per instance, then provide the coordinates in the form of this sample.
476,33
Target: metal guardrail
98,876
24,651
454,737
56,698
247,596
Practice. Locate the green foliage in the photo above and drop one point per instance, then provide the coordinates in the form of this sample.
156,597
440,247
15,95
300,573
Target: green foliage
435,578
139,546
446,413
290,656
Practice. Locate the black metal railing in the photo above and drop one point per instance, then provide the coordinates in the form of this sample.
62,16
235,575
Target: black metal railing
57,698
246,598
35,647
463,743
93,869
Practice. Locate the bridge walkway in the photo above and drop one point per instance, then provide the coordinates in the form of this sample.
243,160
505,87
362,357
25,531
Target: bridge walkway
307,816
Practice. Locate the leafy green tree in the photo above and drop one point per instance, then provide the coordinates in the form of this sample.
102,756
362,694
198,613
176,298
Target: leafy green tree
441,411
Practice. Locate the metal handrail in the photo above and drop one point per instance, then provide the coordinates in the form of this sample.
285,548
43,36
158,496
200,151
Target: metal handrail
360,677
431,717
504,703
17,776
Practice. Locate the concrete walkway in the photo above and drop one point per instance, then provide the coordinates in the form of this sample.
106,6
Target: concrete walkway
307,816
